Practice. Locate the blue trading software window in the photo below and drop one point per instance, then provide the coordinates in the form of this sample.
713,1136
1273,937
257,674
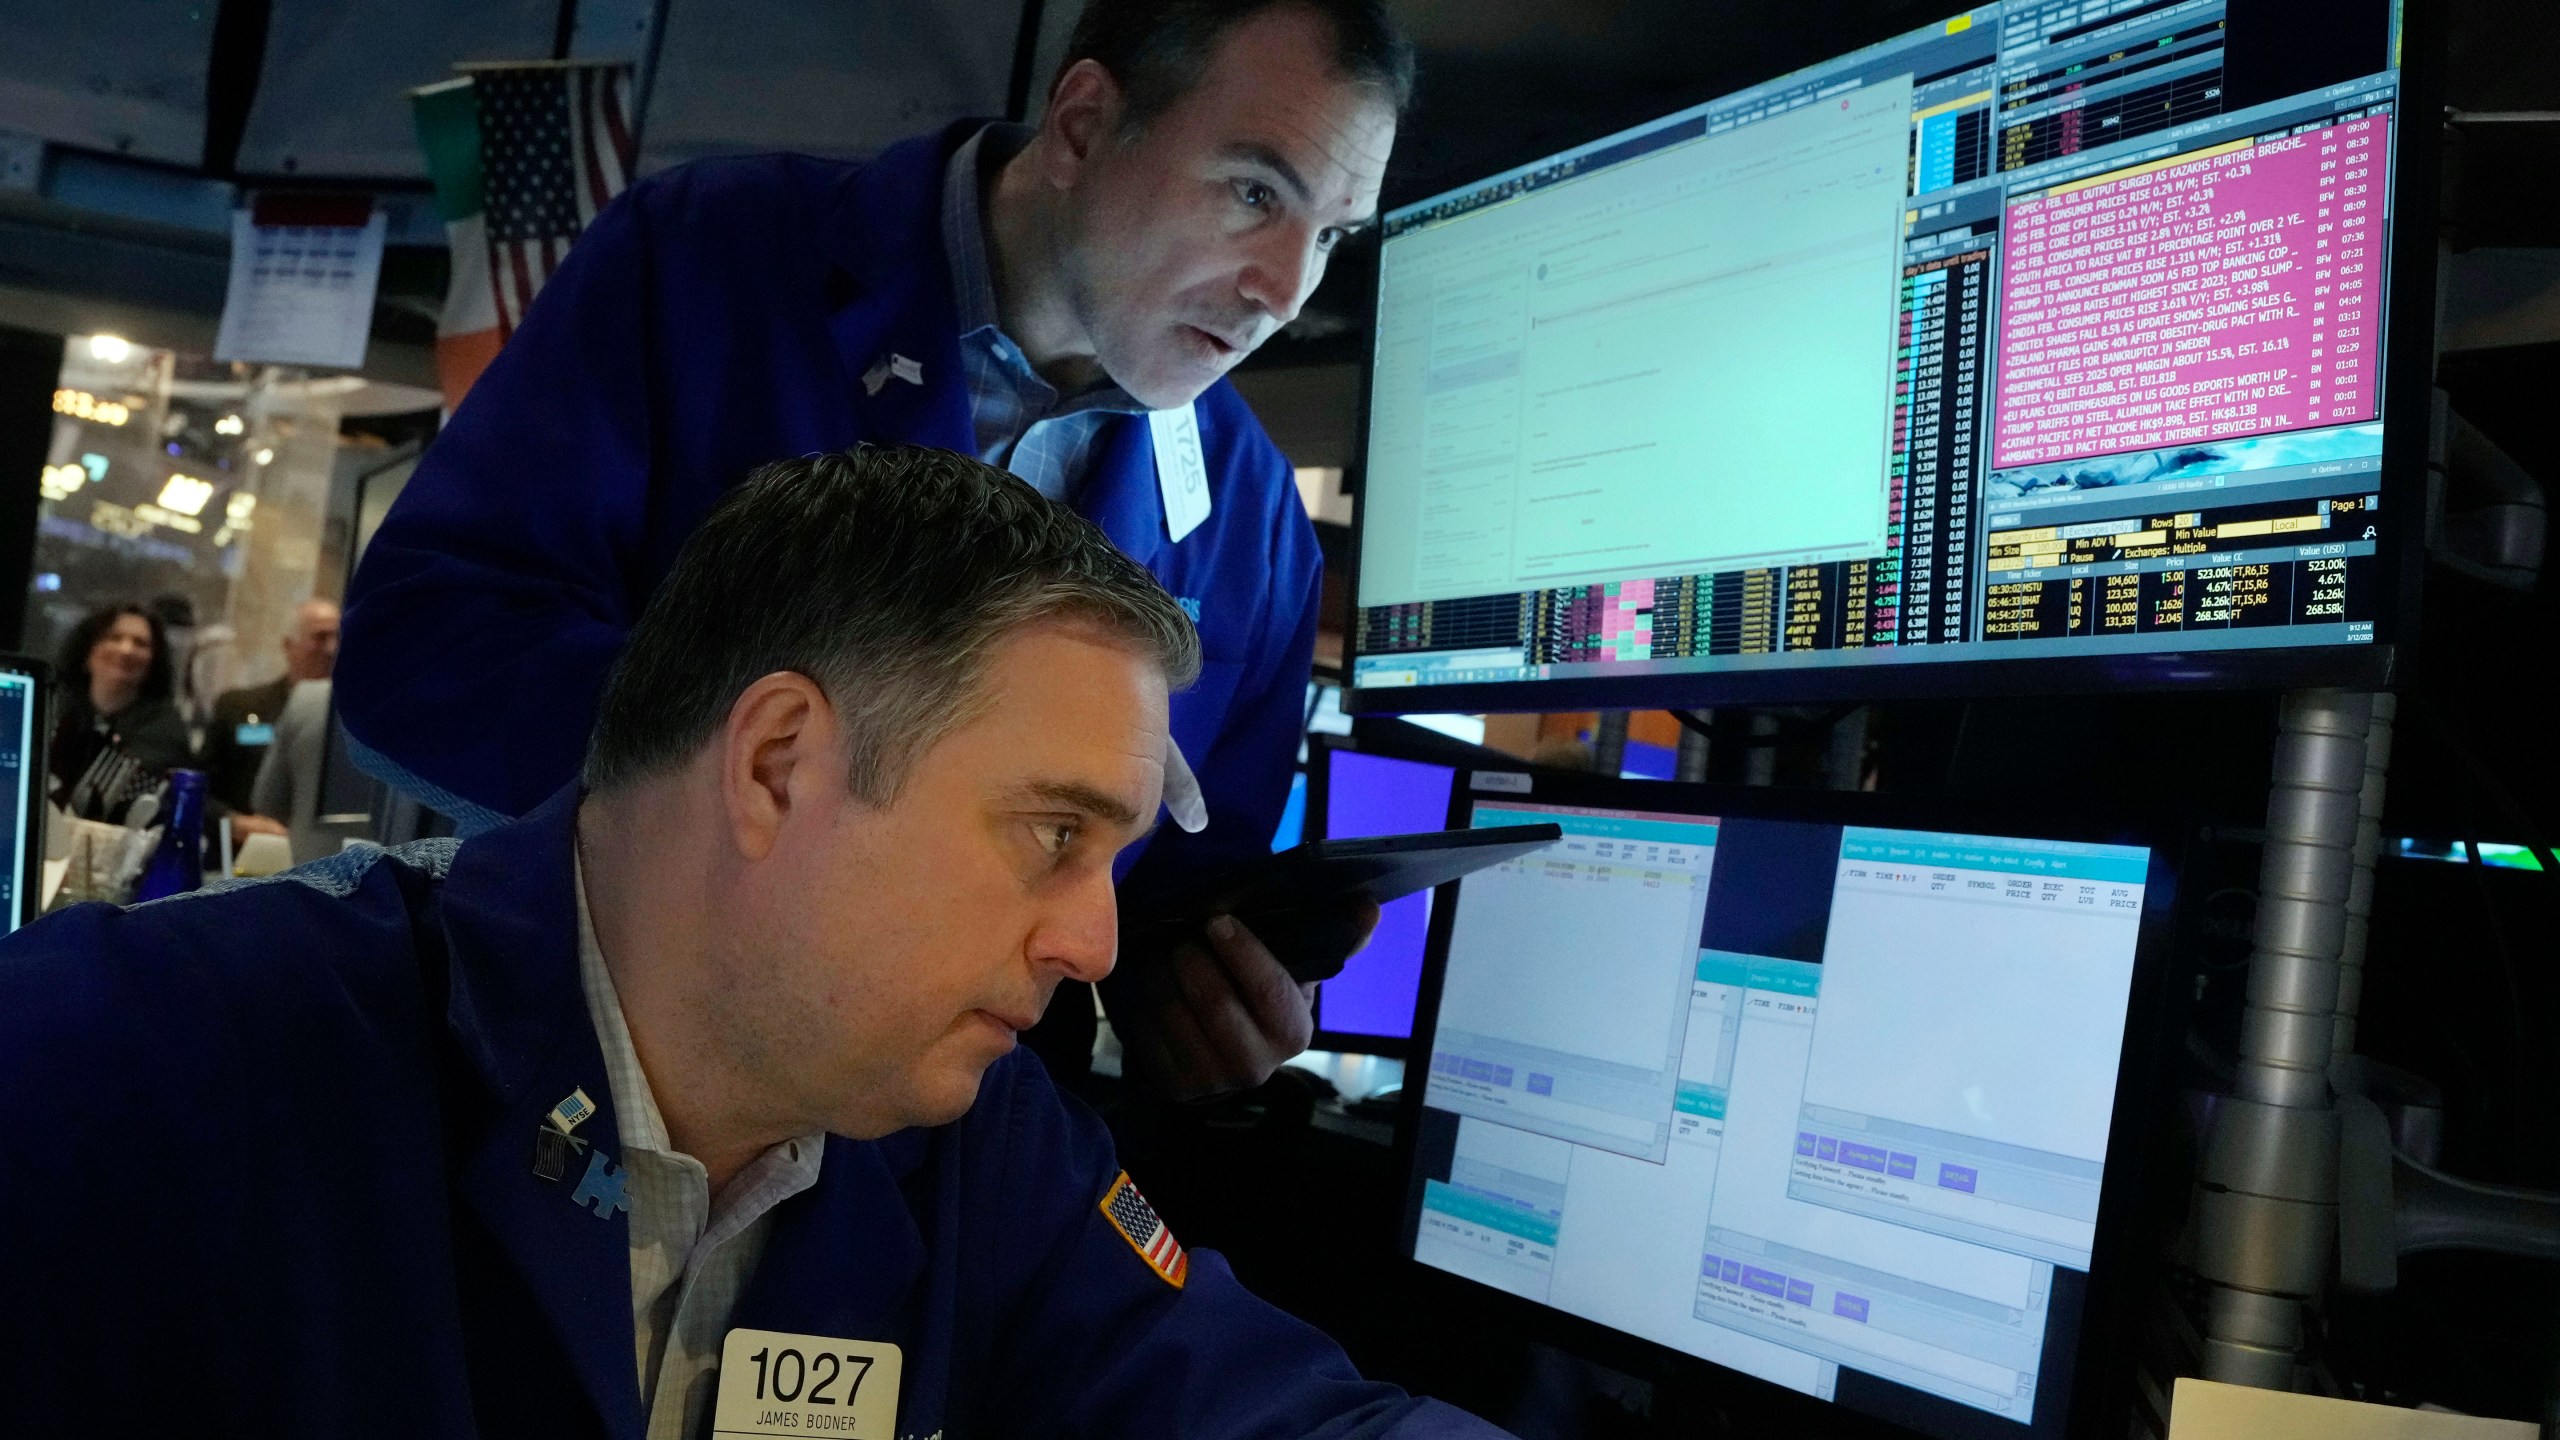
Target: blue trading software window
19,789
1828,1106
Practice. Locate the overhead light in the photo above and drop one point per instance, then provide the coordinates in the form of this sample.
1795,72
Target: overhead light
114,349
185,494
266,455
81,405
154,515
230,425
61,482
241,505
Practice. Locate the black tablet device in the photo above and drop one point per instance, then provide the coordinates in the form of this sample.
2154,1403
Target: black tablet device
1291,901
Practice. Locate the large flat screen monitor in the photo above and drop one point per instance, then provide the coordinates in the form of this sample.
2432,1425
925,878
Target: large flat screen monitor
1840,1094
1368,1008
25,728
2055,344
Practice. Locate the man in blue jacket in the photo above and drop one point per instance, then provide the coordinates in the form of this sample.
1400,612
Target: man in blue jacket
689,1095
1062,302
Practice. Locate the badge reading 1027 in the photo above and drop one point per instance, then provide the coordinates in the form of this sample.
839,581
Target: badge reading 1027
772,1383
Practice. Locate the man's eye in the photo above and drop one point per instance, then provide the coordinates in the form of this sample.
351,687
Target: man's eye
1253,194
1328,237
1055,835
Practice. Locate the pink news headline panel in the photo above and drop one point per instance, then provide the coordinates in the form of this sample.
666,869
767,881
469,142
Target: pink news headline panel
2227,296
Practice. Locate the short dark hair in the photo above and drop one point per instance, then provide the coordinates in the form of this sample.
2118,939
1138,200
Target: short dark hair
886,575
1159,49
159,679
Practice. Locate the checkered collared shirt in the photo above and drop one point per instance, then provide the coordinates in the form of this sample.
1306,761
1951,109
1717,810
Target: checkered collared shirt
691,1258
1022,422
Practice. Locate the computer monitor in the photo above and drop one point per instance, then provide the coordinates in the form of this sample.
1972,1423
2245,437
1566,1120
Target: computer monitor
2054,344
1368,1008
26,711
1835,1092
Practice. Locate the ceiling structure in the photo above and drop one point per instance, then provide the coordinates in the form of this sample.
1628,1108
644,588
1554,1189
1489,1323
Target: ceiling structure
129,128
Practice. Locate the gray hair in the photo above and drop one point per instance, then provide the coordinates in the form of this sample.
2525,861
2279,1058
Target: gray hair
886,575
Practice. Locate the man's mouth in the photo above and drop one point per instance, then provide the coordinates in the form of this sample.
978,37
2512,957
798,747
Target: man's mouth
1221,345
1013,1021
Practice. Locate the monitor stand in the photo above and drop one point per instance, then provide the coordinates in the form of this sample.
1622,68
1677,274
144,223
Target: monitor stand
2265,1216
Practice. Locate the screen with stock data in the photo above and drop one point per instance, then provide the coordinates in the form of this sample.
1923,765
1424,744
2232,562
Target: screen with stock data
21,794
1829,1105
2052,329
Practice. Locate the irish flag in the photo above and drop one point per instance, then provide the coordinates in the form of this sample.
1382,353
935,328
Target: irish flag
448,122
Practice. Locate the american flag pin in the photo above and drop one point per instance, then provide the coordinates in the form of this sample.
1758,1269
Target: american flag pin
1137,1222
551,1152
906,369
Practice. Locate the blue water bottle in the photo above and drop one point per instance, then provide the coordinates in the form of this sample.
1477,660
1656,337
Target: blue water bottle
178,865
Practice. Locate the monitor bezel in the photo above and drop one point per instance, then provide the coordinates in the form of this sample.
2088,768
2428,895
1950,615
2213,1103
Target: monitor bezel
33,765
2099,1367
2406,385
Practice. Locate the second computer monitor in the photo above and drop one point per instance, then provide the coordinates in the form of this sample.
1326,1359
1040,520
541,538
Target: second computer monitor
1835,1093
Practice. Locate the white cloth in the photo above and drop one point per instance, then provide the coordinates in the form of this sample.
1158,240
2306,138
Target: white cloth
691,1254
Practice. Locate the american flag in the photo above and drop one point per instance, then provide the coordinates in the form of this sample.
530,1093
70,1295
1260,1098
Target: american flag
555,148
1131,1215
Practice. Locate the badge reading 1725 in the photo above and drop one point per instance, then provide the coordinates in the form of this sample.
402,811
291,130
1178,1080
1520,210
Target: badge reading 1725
772,1383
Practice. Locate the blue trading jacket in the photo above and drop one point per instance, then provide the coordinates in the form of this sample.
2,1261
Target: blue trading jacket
713,319
266,1169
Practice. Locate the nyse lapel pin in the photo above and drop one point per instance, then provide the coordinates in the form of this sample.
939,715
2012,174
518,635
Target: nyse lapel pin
573,1111
876,376
553,1140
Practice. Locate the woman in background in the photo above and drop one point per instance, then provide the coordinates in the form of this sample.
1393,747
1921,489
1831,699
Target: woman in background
120,730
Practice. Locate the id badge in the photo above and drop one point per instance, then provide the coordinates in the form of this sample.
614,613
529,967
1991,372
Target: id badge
1182,470
772,1383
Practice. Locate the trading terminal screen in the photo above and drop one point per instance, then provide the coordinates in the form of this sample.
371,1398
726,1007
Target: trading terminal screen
1827,1105
2054,329
21,794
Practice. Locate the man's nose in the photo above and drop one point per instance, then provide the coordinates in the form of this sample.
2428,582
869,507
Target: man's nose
1081,938
1283,273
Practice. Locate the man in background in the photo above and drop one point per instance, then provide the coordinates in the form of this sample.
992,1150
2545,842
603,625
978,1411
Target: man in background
243,728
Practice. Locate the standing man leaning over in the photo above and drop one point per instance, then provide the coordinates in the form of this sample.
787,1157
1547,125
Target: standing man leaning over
1062,302
516,1139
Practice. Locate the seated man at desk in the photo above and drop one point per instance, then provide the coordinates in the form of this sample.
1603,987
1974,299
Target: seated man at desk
712,1057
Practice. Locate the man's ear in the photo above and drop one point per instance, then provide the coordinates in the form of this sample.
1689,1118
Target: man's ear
1083,115
777,752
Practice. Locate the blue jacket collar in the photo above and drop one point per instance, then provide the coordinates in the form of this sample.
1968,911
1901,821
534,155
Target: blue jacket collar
883,232
518,1015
